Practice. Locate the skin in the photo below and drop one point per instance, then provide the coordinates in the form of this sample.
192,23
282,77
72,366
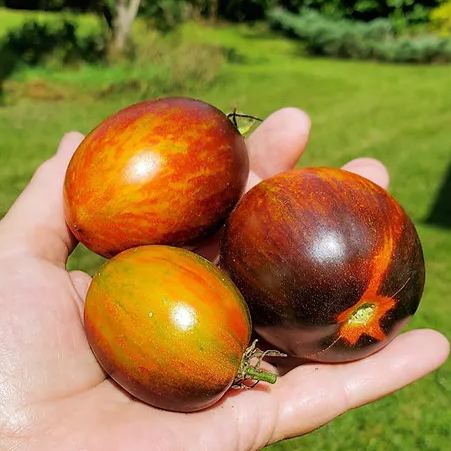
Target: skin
54,395
329,263
177,345
128,183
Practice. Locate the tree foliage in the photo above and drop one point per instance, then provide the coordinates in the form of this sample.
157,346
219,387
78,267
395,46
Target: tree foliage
241,10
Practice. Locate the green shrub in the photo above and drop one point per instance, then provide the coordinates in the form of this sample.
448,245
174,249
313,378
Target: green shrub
344,38
47,43
165,64
400,12
244,10
440,18
34,43
425,49
409,11
165,15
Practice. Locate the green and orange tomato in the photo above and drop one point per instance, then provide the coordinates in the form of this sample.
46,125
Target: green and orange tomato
329,263
169,327
165,171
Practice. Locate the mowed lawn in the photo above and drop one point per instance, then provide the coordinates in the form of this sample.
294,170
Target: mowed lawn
399,114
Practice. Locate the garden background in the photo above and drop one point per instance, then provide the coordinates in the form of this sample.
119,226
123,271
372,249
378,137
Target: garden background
375,77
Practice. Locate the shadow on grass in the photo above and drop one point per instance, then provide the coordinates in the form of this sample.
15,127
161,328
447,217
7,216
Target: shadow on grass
440,213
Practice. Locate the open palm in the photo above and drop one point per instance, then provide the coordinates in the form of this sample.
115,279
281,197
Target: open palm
54,395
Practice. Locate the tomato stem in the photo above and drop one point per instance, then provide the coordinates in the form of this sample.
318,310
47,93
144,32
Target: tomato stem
261,375
250,366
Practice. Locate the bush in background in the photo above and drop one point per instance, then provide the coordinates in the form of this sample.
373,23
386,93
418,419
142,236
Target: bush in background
400,12
34,42
441,19
165,64
37,43
162,64
165,15
244,10
168,12
343,38
410,11
421,49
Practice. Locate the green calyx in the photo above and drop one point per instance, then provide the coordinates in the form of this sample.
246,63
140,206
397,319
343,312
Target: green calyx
245,123
250,367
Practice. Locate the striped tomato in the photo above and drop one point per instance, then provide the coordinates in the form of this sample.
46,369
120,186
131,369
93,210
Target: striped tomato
167,171
170,328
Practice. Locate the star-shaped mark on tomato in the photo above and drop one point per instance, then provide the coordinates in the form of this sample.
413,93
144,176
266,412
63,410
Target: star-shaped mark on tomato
364,318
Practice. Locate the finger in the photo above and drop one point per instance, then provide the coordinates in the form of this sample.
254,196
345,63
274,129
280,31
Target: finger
276,145
81,281
252,180
35,223
312,395
371,169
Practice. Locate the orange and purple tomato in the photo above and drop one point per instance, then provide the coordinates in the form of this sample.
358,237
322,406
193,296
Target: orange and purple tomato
168,326
166,171
328,262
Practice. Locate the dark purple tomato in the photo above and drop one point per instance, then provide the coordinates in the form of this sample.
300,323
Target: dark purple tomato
328,262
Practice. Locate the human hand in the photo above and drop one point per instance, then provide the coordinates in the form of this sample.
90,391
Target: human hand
55,396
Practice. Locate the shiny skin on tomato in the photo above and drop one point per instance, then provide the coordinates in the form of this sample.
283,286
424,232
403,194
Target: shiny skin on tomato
328,262
168,326
165,171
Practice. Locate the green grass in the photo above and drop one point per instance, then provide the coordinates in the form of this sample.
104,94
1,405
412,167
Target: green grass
399,114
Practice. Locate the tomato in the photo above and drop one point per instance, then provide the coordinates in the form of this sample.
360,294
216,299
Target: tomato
166,171
169,327
329,263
